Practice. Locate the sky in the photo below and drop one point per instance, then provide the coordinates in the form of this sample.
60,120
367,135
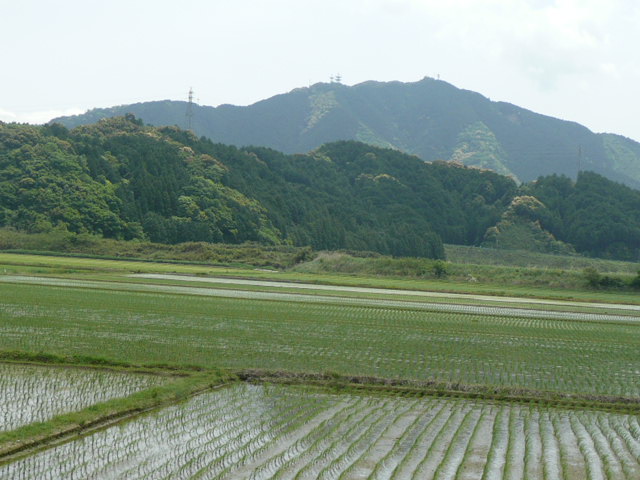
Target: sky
571,59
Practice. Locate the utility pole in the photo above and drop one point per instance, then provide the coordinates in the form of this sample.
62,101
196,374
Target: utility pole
579,159
189,113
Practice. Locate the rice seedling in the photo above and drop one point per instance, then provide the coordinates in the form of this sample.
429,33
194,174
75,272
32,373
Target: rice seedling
397,340
259,432
31,394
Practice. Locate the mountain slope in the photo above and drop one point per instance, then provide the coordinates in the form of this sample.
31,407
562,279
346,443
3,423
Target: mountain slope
121,179
429,118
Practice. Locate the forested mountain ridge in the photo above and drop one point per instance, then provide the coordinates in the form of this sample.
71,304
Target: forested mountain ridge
121,179
429,118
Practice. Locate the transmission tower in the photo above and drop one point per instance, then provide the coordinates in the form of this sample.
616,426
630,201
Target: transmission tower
579,158
189,113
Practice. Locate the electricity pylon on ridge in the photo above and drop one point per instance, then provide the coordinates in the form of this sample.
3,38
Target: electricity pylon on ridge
189,113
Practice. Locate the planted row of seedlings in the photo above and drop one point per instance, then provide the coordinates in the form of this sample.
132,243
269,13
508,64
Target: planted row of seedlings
264,432
240,293
31,394
519,352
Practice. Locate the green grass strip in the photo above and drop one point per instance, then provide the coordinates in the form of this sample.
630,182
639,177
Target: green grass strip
79,361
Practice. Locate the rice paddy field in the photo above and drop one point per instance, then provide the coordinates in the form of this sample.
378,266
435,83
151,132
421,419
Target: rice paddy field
35,393
502,347
483,375
260,432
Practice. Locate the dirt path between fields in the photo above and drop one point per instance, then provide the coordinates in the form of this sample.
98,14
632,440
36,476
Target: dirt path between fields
386,291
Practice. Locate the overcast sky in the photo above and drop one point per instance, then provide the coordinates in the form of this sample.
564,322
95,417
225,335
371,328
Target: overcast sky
573,59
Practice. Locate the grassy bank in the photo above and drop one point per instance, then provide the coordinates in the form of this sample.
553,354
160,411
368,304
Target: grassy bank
467,255
85,245
477,276
469,269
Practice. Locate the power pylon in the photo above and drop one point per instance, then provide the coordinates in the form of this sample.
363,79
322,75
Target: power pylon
189,113
579,159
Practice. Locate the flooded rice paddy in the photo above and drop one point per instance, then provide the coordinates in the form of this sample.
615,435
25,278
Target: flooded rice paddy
31,394
264,432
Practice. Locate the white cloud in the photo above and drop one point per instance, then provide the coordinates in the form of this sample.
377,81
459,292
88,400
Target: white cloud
36,117
6,116
611,70
544,40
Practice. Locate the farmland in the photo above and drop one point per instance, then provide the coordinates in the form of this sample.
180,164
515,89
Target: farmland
51,391
258,432
397,383
495,281
183,325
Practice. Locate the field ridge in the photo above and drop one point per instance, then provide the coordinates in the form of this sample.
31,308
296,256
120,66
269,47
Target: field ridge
414,388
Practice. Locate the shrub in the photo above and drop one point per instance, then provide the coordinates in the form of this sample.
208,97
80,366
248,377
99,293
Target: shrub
439,269
596,280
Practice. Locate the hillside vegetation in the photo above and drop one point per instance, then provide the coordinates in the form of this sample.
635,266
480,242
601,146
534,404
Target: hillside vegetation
429,118
123,180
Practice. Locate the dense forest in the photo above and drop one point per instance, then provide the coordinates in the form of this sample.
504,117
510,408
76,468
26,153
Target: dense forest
121,179
598,217
429,118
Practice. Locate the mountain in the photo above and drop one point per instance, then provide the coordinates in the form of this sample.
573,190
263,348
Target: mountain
521,224
121,179
429,118
595,215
